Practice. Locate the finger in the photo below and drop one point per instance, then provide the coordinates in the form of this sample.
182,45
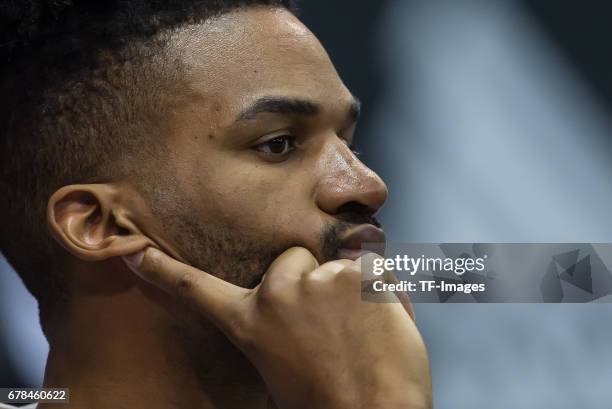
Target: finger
215,298
332,267
366,262
390,277
292,262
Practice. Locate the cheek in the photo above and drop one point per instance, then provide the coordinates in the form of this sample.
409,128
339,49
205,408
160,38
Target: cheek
261,202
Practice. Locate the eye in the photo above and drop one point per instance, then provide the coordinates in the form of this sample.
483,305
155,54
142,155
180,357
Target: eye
279,145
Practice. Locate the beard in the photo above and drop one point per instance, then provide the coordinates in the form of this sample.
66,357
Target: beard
241,258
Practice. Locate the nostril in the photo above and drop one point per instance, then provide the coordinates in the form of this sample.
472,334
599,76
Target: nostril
351,207
361,211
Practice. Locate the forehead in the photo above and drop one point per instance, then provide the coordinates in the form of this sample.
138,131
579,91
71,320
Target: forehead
238,57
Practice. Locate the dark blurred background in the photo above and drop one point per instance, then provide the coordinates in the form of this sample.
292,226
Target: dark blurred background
490,122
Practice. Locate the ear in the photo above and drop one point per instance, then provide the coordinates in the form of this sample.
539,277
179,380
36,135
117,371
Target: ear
95,222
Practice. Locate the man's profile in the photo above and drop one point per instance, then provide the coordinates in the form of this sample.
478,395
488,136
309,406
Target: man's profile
206,147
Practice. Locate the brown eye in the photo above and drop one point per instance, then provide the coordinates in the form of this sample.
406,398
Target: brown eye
279,145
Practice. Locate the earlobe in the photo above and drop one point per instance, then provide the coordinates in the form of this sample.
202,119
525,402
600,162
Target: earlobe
92,223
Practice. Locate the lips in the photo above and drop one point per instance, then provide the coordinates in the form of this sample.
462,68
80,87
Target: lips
353,240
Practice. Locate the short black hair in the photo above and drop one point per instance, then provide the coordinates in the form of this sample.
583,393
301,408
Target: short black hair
80,97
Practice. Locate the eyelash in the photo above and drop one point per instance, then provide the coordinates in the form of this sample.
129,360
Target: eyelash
291,140
287,139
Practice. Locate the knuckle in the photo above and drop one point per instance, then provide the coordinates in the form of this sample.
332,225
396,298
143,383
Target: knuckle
155,260
303,253
336,265
313,286
348,275
299,251
276,289
154,265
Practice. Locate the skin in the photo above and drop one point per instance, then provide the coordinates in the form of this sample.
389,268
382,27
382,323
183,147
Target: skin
188,330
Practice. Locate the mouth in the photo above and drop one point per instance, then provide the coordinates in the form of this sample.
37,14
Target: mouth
352,242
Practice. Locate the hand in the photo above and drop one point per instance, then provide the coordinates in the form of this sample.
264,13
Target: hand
307,331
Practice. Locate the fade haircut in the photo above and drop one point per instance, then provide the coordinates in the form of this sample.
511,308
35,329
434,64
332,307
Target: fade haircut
84,86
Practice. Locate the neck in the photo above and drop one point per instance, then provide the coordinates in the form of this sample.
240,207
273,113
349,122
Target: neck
136,348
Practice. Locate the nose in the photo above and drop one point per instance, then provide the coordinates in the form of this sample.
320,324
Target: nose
345,182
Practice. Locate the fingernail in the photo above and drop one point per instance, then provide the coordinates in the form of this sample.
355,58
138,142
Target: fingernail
134,260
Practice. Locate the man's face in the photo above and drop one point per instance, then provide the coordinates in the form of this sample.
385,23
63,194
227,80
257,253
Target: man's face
259,150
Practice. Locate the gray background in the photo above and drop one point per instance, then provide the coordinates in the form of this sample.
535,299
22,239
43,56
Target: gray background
490,122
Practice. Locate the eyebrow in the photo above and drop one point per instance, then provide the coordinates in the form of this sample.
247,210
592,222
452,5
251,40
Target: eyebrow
291,106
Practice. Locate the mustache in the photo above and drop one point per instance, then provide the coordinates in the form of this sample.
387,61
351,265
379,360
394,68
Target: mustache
330,238
334,231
